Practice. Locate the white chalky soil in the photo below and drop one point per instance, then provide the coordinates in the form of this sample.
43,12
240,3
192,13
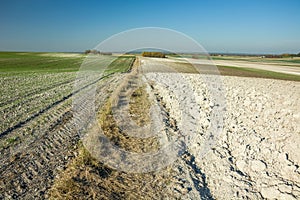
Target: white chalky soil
257,154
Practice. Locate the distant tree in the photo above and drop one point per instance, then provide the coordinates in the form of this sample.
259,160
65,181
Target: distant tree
153,54
94,51
273,56
87,51
286,55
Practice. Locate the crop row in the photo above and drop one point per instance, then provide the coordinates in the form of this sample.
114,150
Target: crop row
21,86
41,95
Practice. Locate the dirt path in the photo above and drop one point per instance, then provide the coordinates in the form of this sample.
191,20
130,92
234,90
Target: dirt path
181,179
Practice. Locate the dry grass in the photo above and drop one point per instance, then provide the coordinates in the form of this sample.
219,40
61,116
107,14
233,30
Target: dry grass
121,139
139,101
75,181
139,107
87,178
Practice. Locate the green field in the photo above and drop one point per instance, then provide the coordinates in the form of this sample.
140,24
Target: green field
36,83
39,62
257,73
121,64
16,62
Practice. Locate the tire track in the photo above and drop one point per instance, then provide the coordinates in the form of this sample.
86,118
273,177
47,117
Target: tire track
29,173
35,92
34,116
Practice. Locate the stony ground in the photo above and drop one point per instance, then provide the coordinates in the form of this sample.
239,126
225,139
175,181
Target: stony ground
257,154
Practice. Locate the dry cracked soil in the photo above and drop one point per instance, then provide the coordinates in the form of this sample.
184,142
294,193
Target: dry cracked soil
255,156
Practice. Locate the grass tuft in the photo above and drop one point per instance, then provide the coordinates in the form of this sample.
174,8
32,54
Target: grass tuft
139,101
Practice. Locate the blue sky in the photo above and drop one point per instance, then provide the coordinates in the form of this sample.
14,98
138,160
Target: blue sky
256,26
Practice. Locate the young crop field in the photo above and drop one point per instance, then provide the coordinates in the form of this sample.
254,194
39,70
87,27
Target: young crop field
36,109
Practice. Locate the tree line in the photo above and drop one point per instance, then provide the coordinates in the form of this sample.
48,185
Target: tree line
153,54
284,55
95,52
